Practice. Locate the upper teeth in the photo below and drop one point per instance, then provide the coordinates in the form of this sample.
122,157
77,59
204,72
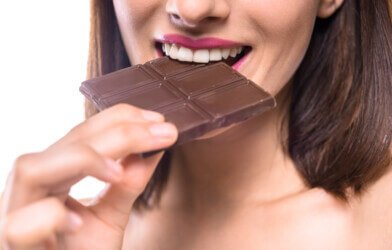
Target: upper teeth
200,55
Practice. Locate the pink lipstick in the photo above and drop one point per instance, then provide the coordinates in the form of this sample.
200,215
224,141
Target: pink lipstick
201,43
204,43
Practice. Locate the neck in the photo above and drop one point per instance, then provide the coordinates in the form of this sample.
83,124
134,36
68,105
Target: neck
244,165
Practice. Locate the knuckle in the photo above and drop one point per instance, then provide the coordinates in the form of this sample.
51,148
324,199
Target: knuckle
123,112
131,131
24,167
124,130
75,132
22,160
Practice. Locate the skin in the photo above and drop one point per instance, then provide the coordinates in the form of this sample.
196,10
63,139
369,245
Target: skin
234,190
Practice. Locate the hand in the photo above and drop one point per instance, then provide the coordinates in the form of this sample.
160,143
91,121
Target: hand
39,213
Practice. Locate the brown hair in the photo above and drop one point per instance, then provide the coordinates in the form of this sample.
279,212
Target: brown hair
340,116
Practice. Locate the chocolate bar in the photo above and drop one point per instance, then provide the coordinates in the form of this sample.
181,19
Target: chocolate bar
197,98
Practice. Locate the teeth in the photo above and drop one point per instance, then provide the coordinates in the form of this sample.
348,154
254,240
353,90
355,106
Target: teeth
167,48
233,52
185,54
225,53
201,55
173,52
215,55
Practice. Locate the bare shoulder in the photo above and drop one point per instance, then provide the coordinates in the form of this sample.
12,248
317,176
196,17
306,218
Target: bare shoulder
373,214
364,222
314,219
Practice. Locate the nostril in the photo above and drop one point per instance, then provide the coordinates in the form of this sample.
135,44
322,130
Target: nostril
175,16
212,18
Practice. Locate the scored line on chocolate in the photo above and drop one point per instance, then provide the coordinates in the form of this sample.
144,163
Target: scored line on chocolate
119,81
229,77
165,70
197,98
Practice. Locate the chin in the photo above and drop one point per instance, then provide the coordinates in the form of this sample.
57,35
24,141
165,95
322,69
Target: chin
215,133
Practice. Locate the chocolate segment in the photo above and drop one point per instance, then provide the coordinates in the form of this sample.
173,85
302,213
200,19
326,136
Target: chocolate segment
197,98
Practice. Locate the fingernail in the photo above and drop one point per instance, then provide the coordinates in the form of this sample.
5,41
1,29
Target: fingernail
115,167
162,130
75,221
152,116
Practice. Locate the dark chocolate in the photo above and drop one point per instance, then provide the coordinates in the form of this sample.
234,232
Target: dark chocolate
197,98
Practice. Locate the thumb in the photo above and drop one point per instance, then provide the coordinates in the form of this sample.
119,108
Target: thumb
115,203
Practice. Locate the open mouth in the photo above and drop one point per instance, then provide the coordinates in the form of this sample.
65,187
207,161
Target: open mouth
234,56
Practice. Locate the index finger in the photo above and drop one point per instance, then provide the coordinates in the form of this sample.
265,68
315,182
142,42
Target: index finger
119,113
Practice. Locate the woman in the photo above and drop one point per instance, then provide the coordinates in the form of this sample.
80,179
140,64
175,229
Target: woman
311,174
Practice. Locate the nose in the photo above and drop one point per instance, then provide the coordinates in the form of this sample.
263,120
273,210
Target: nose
194,13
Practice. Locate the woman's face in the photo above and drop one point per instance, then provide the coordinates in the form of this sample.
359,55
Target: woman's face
275,33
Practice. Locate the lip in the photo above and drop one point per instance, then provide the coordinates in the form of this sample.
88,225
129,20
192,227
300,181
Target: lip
201,43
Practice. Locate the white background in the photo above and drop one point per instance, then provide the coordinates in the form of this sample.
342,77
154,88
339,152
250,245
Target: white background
43,60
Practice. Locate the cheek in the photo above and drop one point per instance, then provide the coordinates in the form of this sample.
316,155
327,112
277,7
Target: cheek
135,12
284,29
282,18
136,19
